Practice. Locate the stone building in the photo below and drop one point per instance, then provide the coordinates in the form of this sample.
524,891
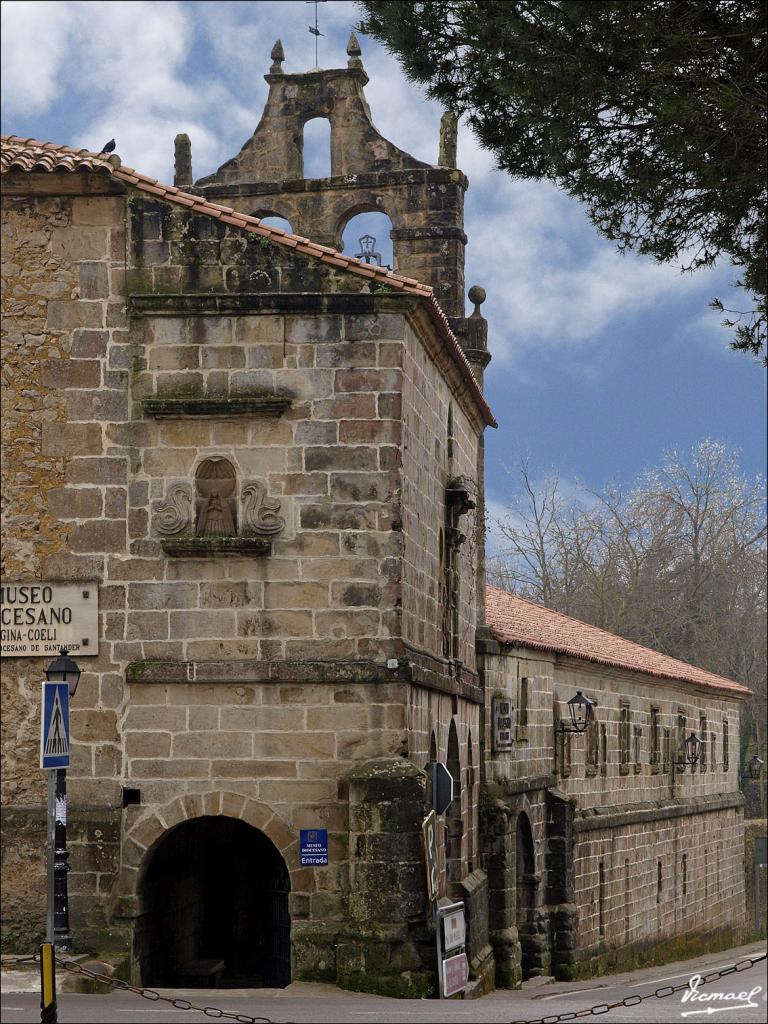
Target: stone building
265,460
605,846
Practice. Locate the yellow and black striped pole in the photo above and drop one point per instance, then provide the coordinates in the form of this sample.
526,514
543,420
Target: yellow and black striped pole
48,1013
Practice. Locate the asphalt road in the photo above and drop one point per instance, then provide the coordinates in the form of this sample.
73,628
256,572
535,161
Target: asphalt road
324,1004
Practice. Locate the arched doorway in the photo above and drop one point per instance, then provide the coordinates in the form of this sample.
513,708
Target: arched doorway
525,885
216,889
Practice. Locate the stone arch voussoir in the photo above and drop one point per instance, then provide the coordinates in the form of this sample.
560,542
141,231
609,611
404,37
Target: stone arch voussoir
145,833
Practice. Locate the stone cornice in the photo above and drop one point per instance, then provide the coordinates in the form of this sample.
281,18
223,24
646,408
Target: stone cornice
619,815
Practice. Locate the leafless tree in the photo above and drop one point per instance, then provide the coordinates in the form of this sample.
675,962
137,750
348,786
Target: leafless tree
677,562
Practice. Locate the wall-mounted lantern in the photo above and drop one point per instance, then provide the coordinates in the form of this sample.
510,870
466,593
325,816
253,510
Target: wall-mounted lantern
755,766
582,711
64,669
693,747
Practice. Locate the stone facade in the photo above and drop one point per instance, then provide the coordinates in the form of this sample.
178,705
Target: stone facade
286,669
633,855
270,464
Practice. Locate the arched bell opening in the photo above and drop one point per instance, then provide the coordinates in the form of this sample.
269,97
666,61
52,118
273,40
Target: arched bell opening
274,220
316,148
367,235
215,909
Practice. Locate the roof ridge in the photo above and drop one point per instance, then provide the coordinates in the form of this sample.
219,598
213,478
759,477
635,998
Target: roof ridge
172,193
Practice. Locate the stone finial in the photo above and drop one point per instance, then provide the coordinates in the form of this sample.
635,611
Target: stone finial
182,170
354,52
477,295
476,335
278,56
449,132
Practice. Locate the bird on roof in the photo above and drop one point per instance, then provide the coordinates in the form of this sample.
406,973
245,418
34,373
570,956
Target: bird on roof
108,147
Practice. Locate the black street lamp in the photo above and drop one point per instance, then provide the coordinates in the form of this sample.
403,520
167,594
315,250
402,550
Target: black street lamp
582,711
693,747
61,670
755,765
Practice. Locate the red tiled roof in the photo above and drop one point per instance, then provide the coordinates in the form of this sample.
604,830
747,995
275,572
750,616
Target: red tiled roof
32,155
514,620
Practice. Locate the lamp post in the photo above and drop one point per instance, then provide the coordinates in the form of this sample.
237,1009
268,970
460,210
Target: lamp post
61,670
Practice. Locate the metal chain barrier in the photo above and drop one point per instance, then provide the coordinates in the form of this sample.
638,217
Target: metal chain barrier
211,1011
151,994
660,993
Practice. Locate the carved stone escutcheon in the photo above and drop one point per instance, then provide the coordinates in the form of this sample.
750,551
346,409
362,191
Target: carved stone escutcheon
175,514
260,513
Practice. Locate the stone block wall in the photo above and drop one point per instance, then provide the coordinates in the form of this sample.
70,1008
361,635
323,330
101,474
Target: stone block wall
554,681
430,460
673,879
532,754
88,342
430,714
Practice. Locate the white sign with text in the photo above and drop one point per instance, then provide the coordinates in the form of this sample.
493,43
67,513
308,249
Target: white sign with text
36,619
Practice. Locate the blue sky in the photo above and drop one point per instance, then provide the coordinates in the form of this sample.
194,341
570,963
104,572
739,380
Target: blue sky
601,361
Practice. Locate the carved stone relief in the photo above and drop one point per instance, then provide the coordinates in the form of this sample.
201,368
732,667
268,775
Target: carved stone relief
216,483
210,509
174,515
260,513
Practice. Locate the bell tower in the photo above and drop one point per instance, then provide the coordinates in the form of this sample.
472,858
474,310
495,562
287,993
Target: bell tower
425,203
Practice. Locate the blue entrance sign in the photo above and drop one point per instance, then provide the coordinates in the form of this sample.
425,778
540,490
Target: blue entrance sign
54,726
313,843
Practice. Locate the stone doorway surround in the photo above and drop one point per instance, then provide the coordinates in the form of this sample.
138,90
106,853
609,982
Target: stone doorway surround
143,834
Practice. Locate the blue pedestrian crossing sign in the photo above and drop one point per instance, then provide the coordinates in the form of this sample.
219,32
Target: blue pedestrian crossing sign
54,726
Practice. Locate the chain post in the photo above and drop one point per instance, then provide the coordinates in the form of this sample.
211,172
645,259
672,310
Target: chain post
48,1011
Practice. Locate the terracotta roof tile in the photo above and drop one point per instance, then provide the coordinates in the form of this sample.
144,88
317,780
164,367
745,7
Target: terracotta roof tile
515,620
31,155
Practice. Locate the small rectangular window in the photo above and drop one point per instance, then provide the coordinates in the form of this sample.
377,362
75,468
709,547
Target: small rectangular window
680,740
624,739
521,731
593,747
637,744
726,745
601,898
703,738
667,764
655,739
658,881
603,749
713,751
685,874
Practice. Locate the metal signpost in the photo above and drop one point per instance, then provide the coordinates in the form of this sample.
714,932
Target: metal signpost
54,758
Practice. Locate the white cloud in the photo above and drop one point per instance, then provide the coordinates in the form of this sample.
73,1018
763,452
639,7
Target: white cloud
36,38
